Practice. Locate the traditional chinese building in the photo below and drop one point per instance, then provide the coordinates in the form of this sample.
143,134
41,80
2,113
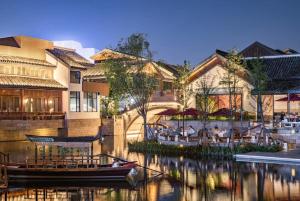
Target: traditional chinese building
282,68
42,90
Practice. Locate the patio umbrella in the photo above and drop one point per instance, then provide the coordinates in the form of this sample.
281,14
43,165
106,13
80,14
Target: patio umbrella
288,99
190,111
293,97
169,112
221,112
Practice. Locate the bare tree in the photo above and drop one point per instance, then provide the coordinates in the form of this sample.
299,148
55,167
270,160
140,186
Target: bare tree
234,66
204,102
181,84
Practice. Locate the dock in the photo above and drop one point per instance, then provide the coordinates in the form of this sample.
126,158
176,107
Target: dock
290,157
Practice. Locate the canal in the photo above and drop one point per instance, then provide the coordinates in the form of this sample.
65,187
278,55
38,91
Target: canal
184,179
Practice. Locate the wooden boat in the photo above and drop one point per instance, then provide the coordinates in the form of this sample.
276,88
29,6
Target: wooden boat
23,173
67,168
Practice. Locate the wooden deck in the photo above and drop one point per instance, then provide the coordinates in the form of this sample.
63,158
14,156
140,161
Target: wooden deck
283,157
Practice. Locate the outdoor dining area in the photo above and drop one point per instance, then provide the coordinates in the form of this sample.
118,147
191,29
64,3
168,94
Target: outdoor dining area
288,119
187,132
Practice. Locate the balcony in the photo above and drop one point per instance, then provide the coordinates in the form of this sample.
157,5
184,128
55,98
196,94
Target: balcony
31,115
101,88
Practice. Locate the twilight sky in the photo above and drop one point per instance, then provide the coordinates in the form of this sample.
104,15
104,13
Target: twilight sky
177,29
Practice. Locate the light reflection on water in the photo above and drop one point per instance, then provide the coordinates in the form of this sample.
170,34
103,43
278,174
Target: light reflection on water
185,180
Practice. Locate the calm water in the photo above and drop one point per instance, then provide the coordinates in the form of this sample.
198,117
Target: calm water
185,180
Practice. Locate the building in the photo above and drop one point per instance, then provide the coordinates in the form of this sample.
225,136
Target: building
282,68
43,91
163,98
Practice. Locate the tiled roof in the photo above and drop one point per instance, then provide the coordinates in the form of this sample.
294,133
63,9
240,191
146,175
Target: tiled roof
97,70
71,58
281,87
258,49
35,83
169,67
281,67
283,73
9,41
24,60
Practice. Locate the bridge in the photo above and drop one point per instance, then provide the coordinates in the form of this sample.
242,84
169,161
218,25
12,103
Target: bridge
133,122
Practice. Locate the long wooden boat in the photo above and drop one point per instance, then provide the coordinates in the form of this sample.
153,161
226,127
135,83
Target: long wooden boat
22,173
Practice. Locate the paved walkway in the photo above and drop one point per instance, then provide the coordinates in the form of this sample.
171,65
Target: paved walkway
283,157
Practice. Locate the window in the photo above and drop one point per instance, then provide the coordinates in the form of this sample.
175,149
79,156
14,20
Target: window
74,101
9,104
75,77
90,102
167,86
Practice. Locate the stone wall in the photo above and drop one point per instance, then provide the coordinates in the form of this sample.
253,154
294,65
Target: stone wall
113,126
17,129
83,127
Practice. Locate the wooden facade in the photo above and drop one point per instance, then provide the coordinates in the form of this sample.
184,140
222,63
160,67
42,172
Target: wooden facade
30,104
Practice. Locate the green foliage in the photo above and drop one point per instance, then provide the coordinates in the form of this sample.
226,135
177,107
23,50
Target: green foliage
258,75
181,85
258,79
197,151
234,66
128,77
135,45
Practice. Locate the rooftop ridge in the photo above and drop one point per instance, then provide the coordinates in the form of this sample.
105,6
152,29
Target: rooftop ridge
64,48
273,57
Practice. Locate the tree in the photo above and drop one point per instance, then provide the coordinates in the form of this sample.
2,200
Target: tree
258,79
129,77
181,84
234,66
115,71
204,89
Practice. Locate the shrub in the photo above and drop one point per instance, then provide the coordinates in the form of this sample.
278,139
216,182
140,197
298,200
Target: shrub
154,147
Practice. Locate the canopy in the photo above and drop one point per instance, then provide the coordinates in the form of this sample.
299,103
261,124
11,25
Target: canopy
221,112
191,111
293,97
168,112
82,141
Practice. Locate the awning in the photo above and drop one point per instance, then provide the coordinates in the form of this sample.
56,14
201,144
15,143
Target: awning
83,141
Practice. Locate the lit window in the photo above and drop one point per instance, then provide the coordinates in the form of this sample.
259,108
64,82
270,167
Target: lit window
74,101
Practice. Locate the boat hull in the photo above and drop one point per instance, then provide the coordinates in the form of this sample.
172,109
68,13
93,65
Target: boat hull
17,174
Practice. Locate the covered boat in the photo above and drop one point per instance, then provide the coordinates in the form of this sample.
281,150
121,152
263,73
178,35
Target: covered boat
67,167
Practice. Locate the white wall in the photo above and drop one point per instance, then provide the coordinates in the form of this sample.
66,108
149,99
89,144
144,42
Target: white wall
214,76
62,74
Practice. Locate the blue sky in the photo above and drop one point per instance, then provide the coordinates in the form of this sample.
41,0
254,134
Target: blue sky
177,29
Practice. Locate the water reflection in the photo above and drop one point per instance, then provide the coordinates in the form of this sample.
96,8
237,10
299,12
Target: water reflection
185,180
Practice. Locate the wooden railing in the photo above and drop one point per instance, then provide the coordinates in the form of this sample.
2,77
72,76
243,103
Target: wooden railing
31,115
84,161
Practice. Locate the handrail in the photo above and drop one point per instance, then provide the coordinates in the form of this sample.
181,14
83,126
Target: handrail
86,161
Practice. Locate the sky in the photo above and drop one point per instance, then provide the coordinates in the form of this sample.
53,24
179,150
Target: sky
177,30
